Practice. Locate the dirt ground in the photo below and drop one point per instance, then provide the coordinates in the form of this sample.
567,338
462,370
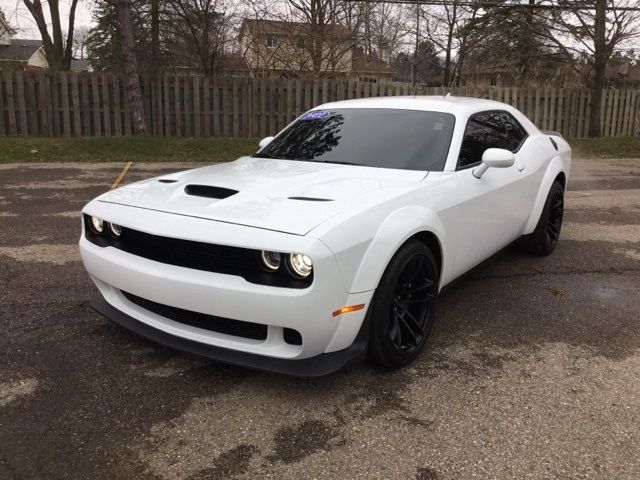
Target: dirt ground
532,371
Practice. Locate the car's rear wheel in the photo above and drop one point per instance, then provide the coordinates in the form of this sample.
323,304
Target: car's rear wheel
402,310
544,239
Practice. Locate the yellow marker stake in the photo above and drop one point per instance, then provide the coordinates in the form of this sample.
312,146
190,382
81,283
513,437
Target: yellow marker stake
120,177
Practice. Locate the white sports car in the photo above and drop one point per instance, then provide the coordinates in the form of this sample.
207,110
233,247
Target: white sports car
332,242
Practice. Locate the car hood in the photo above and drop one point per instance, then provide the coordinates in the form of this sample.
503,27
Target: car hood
281,195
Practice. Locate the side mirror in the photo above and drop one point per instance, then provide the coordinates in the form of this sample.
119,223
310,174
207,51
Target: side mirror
264,142
495,158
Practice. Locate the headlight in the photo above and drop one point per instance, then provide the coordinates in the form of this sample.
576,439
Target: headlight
271,260
97,225
115,229
300,264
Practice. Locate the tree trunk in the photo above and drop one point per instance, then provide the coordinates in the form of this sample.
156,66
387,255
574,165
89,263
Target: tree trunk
155,35
132,84
58,53
600,68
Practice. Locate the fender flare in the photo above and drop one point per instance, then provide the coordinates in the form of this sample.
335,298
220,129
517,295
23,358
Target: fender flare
396,229
556,166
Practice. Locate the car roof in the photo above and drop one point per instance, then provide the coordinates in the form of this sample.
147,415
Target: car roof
432,103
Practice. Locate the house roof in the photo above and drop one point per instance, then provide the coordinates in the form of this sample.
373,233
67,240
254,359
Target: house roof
19,50
369,63
297,29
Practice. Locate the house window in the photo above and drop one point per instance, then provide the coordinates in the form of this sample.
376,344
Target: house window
271,42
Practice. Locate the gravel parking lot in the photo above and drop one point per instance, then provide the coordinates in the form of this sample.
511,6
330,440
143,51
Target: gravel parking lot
532,371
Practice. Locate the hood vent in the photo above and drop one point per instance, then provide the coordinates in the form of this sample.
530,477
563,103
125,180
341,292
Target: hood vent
167,180
209,191
311,199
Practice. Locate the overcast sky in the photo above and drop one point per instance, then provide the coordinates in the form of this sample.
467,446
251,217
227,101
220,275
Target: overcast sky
20,18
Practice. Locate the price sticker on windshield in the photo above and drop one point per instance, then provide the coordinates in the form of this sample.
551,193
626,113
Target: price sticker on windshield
316,115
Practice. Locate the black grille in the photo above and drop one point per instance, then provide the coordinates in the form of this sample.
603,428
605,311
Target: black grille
243,262
212,323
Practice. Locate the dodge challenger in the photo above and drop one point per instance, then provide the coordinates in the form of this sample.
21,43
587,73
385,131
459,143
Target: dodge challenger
331,243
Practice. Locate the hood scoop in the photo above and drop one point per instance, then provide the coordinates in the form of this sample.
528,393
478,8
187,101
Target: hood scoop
311,199
209,191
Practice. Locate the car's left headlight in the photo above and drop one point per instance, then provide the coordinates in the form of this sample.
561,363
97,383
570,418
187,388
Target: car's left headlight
300,265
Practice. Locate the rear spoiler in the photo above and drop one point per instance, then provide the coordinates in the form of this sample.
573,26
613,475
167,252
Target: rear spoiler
551,133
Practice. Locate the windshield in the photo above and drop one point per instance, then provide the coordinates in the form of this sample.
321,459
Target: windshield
373,137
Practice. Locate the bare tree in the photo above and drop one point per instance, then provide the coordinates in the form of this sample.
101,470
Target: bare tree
5,29
598,32
57,48
79,42
386,30
323,45
443,27
199,29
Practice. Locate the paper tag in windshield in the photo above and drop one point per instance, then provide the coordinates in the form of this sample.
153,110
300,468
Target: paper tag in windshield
316,115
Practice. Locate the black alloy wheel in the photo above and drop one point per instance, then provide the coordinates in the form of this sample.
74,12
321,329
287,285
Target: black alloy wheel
544,239
413,295
554,220
402,310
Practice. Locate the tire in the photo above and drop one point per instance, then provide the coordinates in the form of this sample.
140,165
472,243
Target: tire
401,314
544,239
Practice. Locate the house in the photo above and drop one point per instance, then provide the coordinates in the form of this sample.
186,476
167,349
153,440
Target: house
370,67
285,48
20,54
542,71
295,49
234,65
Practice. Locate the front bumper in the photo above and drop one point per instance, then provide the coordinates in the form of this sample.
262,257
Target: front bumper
308,310
319,365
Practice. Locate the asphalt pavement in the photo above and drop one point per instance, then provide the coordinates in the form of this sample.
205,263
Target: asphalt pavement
532,370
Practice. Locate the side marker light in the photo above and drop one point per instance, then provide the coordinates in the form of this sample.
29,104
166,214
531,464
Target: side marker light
348,309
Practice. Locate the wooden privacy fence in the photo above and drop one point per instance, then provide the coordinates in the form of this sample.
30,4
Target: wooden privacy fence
94,104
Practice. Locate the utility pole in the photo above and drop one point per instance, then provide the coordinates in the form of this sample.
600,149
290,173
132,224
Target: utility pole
414,66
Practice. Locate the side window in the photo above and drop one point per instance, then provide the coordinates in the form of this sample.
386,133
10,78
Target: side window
516,133
492,129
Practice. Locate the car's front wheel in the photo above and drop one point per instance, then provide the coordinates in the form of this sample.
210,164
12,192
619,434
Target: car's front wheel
402,310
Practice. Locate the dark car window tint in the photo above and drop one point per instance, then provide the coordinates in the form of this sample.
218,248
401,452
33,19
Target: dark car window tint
374,137
494,129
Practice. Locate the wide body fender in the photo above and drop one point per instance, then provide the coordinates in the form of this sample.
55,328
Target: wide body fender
394,231
558,164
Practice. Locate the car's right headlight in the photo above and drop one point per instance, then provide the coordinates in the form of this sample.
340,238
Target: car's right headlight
300,265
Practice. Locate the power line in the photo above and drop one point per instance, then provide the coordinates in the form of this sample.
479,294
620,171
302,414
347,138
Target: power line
577,6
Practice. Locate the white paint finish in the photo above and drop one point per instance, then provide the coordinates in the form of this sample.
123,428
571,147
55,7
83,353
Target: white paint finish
264,187
350,239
